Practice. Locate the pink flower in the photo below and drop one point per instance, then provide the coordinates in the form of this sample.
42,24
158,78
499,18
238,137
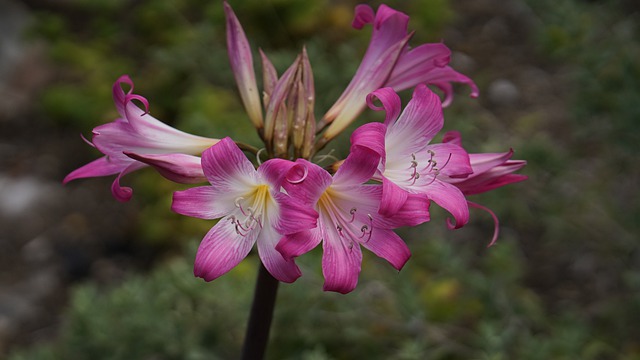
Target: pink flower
250,208
390,62
490,171
137,138
348,218
409,164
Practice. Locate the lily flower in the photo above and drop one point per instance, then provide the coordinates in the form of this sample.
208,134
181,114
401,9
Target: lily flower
348,218
251,210
390,62
490,171
137,138
409,164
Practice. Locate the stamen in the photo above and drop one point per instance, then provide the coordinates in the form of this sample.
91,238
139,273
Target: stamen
353,215
239,206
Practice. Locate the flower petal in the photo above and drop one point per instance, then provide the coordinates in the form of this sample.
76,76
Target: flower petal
201,202
357,168
99,167
389,246
122,193
414,66
294,215
390,103
299,243
496,222
281,268
420,121
393,198
341,263
451,199
364,14
371,136
450,160
221,250
442,78
180,168
413,212
228,169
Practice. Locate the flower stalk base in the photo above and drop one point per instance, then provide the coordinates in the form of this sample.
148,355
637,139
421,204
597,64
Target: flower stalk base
264,300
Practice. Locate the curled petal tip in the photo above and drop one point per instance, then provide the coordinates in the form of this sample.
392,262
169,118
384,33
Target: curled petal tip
142,99
364,14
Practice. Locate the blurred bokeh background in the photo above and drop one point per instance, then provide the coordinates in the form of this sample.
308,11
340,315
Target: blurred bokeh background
85,277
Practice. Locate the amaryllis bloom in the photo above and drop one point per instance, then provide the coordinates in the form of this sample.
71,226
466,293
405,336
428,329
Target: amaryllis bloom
251,210
409,164
390,62
136,139
490,171
348,218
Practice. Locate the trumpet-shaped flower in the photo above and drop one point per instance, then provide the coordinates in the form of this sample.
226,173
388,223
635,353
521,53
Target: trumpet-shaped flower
409,164
390,62
250,208
348,218
490,171
137,138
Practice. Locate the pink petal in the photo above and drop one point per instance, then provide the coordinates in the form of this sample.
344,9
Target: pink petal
221,250
302,180
486,161
242,66
180,168
283,269
368,78
480,185
364,14
100,167
451,199
341,263
419,122
123,194
452,137
227,168
119,94
389,246
390,103
496,223
294,245
371,136
275,171
201,202
393,198
413,212
357,168
414,66
442,78
451,160
294,215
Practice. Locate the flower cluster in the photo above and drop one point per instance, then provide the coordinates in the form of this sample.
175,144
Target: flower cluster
288,205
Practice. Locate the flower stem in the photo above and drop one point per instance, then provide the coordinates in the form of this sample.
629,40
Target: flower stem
264,300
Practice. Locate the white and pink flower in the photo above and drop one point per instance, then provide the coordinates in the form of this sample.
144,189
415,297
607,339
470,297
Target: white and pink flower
409,163
251,210
137,139
348,218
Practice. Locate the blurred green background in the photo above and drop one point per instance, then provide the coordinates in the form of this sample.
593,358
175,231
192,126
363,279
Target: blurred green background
560,84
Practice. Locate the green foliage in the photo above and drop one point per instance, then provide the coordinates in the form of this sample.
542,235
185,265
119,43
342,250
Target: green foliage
447,304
